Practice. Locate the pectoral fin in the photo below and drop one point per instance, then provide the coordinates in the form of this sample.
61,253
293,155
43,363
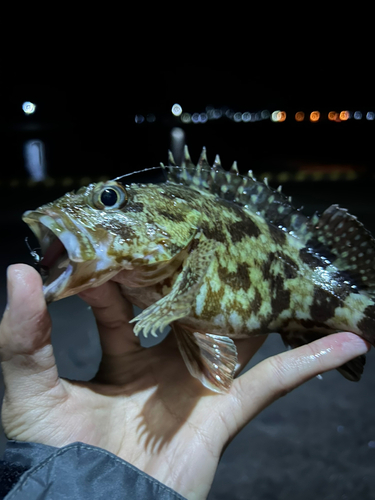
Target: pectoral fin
212,359
179,301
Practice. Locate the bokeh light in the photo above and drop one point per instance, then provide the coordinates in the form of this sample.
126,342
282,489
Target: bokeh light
186,117
300,116
176,109
139,119
212,113
195,118
344,115
246,117
28,107
35,163
332,116
203,117
278,116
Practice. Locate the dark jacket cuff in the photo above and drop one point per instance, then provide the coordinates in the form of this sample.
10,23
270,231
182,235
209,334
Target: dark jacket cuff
36,471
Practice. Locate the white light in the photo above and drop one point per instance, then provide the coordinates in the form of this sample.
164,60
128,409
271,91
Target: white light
246,117
357,115
176,109
237,117
34,155
177,144
265,114
275,116
28,107
370,115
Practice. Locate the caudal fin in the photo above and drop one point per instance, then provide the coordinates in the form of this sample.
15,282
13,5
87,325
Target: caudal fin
352,370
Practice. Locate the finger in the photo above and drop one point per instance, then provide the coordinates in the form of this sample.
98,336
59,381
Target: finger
25,334
246,348
112,313
280,374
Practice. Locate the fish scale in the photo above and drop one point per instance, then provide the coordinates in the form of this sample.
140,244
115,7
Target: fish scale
216,255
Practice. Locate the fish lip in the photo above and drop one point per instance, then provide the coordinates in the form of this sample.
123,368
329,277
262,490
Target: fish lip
47,229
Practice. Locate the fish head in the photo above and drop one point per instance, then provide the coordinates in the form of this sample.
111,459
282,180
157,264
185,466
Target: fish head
89,236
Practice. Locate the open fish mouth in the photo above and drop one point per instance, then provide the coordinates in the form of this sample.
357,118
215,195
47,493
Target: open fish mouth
55,264
61,251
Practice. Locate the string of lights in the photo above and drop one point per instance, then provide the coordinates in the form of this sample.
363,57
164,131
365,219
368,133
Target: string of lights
277,116
284,176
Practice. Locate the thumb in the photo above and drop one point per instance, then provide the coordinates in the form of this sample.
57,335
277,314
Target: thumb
26,353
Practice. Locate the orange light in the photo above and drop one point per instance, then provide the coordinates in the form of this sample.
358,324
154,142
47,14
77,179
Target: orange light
314,116
281,116
332,115
344,115
300,116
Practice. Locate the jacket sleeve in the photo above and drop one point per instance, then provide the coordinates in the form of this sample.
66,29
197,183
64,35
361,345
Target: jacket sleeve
35,471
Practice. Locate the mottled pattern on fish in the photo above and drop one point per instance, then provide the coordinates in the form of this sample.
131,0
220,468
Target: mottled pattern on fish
218,256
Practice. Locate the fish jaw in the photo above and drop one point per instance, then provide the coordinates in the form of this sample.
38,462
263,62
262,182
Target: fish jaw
71,260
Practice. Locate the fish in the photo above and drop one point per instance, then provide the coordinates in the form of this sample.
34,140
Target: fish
215,255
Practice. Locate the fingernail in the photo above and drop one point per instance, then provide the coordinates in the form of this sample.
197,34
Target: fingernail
13,275
356,344
9,288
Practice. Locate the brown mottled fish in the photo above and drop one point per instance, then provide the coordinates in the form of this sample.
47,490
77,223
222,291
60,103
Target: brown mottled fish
216,255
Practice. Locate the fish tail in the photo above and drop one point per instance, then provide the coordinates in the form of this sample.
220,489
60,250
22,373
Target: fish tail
352,370
338,238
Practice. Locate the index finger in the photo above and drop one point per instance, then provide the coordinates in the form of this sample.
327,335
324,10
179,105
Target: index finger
276,376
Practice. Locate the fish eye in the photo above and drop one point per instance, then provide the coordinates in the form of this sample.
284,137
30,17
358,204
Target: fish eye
111,195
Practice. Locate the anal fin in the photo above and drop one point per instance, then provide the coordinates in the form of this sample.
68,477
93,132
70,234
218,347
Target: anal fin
212,359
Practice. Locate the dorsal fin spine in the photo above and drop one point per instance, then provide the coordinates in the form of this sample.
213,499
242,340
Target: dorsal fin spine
256,196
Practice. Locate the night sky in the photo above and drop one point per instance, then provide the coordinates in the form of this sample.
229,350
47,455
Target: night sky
86,112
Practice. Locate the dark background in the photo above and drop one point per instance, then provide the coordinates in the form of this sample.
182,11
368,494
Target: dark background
319,441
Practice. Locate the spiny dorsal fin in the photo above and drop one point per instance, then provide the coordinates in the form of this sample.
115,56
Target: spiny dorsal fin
246,191
335,236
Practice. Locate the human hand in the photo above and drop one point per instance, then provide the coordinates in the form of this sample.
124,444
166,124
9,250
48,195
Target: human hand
143,405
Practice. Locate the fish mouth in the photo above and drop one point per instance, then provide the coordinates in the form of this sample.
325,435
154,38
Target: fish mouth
61,252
